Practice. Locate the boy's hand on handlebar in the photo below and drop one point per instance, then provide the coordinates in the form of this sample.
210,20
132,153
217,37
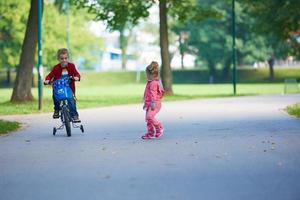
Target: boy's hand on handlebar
46,82
76,78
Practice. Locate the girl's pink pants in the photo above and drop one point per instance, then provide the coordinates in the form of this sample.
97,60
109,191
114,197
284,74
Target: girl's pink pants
153,123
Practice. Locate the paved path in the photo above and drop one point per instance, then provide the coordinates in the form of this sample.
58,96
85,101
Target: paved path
230,148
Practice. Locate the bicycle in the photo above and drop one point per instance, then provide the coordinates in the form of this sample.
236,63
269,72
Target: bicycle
63,92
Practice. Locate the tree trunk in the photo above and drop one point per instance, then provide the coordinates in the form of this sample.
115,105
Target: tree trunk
212,72
181,51
182,59
166,71
123,47
226,69
8,79
22,87
271,76
271,63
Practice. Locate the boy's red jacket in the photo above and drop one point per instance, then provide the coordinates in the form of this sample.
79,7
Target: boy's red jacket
57,70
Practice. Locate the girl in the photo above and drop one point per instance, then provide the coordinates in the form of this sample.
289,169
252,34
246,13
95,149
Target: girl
152,104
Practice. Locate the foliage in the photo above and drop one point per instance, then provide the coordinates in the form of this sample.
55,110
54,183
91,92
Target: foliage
184,11
211,39
119,16
13,20
13,25
84,44
181,15
278,20
116,13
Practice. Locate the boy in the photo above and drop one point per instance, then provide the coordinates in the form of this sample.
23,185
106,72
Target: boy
64,68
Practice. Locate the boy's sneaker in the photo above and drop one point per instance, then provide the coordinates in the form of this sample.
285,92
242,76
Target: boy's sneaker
56,114
148,136
76,119
159,133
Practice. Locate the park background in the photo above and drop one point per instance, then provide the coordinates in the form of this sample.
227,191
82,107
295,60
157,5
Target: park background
220,141
111,43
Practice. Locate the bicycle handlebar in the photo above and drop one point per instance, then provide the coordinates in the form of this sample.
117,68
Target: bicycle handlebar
70,78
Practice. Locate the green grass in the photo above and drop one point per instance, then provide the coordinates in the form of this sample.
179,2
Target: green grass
189,76
294,110
97,95
8,126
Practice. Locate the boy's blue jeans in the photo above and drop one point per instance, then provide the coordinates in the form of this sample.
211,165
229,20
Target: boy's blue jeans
71,103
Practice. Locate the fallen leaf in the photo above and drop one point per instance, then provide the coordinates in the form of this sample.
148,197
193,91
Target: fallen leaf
107,177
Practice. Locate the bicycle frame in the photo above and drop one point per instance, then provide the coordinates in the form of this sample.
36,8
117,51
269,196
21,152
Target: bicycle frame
65,118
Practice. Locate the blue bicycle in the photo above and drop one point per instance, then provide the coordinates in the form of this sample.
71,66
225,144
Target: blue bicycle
62,92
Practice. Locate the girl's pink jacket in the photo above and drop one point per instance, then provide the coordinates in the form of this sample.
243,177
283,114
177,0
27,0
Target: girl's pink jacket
153,92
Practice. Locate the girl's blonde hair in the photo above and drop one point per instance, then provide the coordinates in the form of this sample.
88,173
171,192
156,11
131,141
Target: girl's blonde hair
153,69
62,51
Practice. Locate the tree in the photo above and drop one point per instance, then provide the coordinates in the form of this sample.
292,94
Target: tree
22,87
164,48
119,12
180,10
12,25
84,44
124,43
278,20
211,38
119,16
181,32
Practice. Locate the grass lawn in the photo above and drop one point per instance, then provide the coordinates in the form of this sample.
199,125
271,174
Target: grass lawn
8,126
93,95
294,110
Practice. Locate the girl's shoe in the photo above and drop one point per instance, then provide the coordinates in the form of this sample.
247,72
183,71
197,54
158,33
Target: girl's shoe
159,133
148,136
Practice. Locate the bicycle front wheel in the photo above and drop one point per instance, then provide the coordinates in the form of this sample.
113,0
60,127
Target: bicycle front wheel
67,122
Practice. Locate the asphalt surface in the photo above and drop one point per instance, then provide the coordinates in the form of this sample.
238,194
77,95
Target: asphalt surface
228,148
